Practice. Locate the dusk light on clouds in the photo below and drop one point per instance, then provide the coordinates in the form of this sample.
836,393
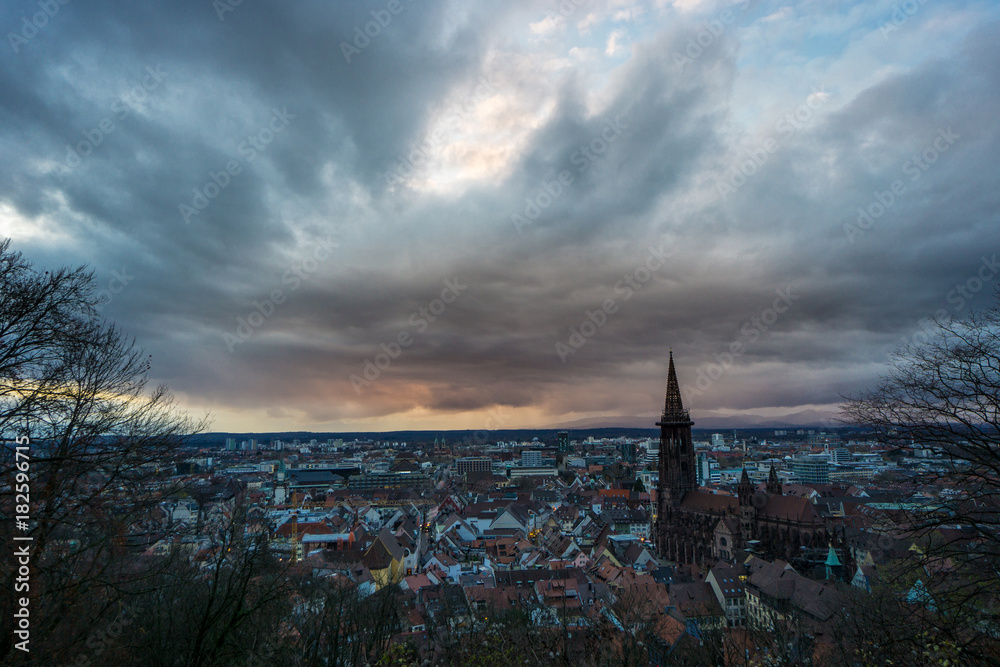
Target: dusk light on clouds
413,214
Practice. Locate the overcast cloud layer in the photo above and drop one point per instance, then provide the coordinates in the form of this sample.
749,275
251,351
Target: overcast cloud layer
270,196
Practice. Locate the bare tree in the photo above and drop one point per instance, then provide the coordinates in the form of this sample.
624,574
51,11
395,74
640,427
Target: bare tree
77,388
785,640
943,395
335,623
496,637
880,627
225,607
628,625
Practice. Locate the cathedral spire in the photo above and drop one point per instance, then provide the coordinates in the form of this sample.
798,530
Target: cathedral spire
773,483
744,489
678,474
673,409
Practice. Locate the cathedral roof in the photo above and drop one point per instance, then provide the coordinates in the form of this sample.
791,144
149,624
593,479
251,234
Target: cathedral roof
790,507
700,501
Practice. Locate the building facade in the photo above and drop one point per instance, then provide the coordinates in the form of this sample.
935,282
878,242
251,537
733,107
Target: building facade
812,469
473,464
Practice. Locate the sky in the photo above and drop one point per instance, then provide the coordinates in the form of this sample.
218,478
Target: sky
417,214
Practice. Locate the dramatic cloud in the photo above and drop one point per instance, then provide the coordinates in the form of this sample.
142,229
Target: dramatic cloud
394,214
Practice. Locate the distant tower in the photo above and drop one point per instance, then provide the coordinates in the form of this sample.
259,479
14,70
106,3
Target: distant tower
676,465
748,511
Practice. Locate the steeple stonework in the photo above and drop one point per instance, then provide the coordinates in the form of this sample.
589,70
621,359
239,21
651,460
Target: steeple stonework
748,511
773,484
676,464
745,489
676,448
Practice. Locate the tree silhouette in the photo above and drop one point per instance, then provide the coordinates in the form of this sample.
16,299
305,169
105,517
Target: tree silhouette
76,388
943,396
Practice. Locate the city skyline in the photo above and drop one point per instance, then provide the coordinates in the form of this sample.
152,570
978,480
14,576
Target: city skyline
435,215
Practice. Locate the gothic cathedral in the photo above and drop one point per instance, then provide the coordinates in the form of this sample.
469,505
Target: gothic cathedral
699,527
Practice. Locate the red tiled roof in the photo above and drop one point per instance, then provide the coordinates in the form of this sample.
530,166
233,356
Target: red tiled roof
304,528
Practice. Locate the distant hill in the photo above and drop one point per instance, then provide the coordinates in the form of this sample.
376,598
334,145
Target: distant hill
710,420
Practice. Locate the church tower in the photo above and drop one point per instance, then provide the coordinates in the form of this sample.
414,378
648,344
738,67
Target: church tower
748,510
676,464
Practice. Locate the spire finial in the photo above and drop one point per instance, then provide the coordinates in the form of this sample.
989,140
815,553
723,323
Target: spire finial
673,408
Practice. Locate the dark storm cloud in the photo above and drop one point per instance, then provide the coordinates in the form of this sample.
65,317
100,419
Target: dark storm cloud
324,260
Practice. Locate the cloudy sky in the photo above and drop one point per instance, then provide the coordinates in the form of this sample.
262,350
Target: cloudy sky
460,214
